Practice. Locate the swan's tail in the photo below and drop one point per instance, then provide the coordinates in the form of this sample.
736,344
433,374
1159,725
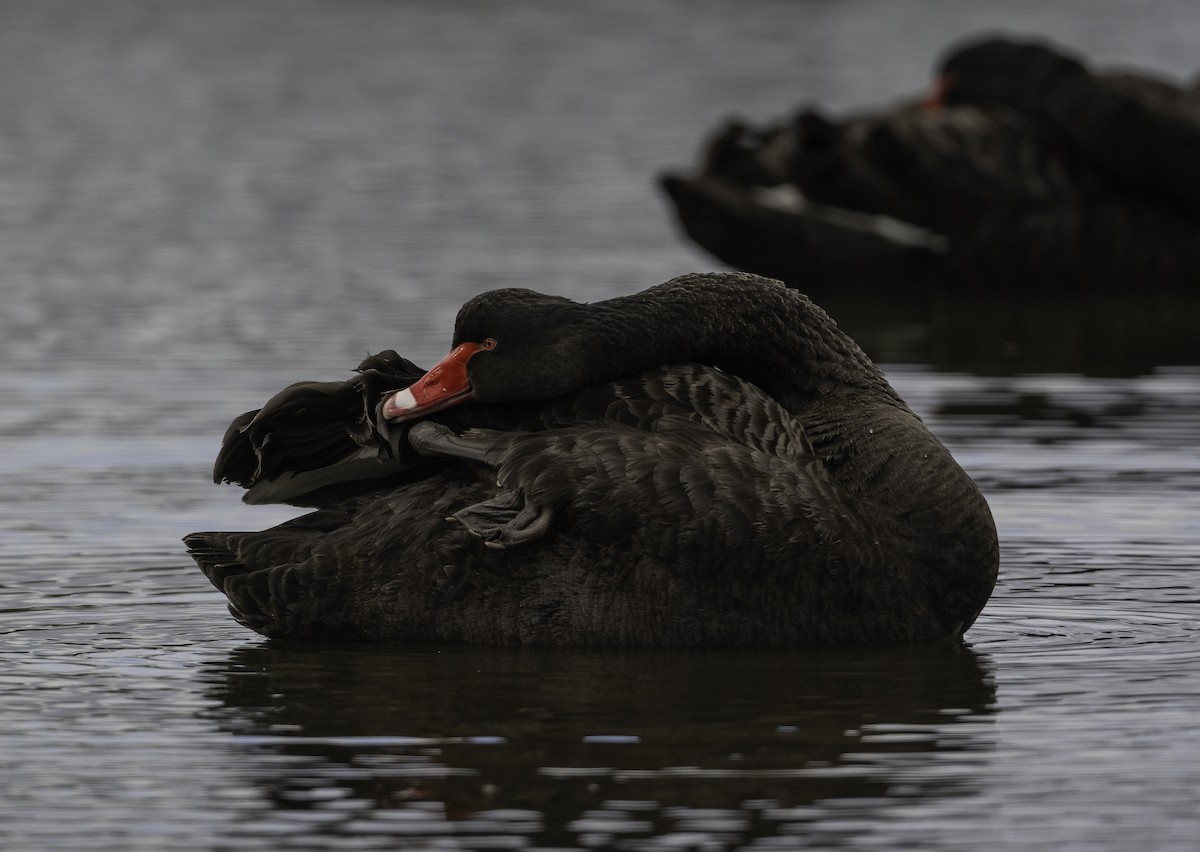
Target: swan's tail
270,588
255,597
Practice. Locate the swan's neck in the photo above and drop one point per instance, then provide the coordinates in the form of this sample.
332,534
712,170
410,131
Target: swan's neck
755,328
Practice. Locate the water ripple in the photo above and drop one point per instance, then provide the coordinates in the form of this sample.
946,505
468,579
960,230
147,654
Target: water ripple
205,202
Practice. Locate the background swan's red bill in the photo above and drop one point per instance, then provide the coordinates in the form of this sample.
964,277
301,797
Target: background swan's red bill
442,387
935,98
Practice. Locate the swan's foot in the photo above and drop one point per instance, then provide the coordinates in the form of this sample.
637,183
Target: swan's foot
437,439
505,521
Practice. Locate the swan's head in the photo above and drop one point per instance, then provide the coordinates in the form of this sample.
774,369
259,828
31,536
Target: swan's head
998,70
508,345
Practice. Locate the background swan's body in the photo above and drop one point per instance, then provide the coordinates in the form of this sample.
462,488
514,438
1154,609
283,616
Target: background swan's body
788,496
1027,171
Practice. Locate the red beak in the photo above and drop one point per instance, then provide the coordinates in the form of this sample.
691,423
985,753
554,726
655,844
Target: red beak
444,386
937,94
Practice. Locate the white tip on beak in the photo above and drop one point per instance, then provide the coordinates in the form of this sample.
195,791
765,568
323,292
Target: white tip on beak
399,403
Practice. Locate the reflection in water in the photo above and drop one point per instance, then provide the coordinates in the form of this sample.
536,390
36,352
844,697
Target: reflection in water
203,202
566,748
1122,333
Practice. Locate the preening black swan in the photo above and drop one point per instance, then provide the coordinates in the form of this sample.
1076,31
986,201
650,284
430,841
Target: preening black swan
708,462
1024,171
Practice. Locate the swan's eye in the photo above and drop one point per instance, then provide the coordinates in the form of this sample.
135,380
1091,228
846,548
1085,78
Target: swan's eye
489,343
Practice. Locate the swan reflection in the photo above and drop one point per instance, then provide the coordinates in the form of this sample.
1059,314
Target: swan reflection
561,748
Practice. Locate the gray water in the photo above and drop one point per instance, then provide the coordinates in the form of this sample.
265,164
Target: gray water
202,202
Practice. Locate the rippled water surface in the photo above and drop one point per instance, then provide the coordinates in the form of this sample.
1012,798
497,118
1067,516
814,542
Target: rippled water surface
200,203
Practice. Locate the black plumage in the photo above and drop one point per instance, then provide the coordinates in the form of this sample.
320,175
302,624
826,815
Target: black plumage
707,462
1025,172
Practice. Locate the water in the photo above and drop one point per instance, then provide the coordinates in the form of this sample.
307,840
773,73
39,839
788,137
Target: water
203,202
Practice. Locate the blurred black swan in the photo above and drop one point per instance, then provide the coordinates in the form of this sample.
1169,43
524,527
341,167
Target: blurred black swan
708,462
1024,174
1023,168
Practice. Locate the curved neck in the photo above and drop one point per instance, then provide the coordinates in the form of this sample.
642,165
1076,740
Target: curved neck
753,327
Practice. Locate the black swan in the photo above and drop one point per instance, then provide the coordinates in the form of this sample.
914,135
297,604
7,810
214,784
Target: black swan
1023,172
708,462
